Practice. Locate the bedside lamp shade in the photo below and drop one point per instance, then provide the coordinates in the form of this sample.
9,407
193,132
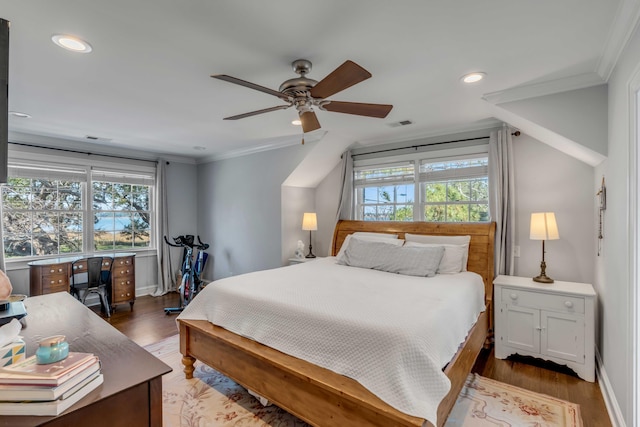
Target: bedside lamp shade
543,227
309,221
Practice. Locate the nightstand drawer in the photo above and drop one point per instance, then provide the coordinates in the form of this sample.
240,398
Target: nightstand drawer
563,303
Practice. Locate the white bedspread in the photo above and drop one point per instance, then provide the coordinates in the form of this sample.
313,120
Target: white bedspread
392,333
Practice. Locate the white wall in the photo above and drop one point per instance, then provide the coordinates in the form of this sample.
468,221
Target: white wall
240,210
326,201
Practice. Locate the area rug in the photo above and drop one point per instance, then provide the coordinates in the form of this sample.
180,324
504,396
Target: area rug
211,399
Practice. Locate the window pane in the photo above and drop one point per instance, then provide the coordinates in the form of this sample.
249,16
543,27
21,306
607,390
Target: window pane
122,212
458,191
457,213
435,192
434,213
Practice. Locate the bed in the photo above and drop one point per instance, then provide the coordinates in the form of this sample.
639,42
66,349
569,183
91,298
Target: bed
321,396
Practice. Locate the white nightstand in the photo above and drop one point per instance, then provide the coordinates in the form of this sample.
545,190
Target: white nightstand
554,321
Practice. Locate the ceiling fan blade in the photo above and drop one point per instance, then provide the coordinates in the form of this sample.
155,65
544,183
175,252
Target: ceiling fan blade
309,121
250,85
255,113
339,79
359,109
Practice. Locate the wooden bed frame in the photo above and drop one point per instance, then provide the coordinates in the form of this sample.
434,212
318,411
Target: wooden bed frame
322,397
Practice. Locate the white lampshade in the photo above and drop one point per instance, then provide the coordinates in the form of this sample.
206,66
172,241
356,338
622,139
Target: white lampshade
309,221
543,226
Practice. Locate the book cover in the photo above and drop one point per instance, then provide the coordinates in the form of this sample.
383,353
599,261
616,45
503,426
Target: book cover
19,393
52,408
29,366
50,381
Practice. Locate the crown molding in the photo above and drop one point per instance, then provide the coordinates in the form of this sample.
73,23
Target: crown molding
623,26
269,144
564,84
45,141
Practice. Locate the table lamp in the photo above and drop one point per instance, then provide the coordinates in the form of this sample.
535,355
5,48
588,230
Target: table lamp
543,227
310,222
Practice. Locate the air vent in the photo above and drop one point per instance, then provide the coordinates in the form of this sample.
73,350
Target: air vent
400,123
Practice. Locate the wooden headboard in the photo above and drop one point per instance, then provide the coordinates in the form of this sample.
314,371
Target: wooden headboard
480,247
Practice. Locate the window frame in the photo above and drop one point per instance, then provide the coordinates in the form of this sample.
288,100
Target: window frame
36,158
429,155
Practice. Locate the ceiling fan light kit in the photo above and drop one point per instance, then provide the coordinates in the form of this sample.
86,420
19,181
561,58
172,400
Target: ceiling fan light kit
305,94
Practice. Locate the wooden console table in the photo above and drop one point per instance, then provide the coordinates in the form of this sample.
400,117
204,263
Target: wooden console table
131,394
51,275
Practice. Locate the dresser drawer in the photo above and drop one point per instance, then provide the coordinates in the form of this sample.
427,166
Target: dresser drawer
122,293
55,283
55,269
563,303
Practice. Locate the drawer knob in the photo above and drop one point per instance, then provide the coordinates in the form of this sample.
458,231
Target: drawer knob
52,271
568,304
513,296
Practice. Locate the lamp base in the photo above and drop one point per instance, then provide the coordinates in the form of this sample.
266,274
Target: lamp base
543,279
310,256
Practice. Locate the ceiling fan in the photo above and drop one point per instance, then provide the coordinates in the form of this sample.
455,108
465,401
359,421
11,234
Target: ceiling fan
305,94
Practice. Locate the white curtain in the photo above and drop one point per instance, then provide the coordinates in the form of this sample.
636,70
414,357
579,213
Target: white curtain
165,279
345,205
501,197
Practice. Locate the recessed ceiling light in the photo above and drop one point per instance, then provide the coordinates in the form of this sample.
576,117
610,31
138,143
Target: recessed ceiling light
296,122
71,43
473,77
19,114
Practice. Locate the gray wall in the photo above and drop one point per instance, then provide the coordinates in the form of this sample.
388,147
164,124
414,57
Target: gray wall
240,210
613,279
550,181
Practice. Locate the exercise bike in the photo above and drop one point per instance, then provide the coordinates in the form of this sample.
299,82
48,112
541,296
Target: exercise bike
190,284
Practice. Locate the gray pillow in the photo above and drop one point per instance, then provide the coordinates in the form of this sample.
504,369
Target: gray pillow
411,261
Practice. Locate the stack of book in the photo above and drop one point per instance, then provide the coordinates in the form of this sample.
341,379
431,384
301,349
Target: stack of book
27,388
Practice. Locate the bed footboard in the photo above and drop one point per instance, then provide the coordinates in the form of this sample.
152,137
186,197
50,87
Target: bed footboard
314,394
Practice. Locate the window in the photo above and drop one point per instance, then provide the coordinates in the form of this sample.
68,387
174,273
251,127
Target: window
41,217
385,193
455,191
451,189
121,215
66,209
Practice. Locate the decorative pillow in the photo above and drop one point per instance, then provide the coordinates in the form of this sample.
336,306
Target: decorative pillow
373,237
443,240
452,259
412,261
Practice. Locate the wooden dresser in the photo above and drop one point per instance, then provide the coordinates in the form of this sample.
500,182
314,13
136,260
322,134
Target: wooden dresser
51,275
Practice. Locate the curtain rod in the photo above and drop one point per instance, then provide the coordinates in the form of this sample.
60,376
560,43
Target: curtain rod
516,133
82,152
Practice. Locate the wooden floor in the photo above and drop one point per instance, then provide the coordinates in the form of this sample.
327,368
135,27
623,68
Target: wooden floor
147,323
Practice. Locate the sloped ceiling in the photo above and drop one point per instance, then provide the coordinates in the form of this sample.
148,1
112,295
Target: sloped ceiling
146,85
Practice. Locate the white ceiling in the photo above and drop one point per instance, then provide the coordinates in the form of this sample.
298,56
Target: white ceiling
147,86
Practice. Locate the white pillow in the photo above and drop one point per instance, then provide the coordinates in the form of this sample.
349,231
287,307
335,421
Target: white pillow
419,260
443,240
452,260
371,237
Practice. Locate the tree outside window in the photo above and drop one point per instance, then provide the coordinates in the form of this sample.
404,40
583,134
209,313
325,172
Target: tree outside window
41,217
121,216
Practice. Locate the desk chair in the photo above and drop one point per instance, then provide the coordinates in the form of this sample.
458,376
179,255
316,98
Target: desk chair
92,276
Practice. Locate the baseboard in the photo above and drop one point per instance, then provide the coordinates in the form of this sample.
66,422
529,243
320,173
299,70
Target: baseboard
610,401
147,290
